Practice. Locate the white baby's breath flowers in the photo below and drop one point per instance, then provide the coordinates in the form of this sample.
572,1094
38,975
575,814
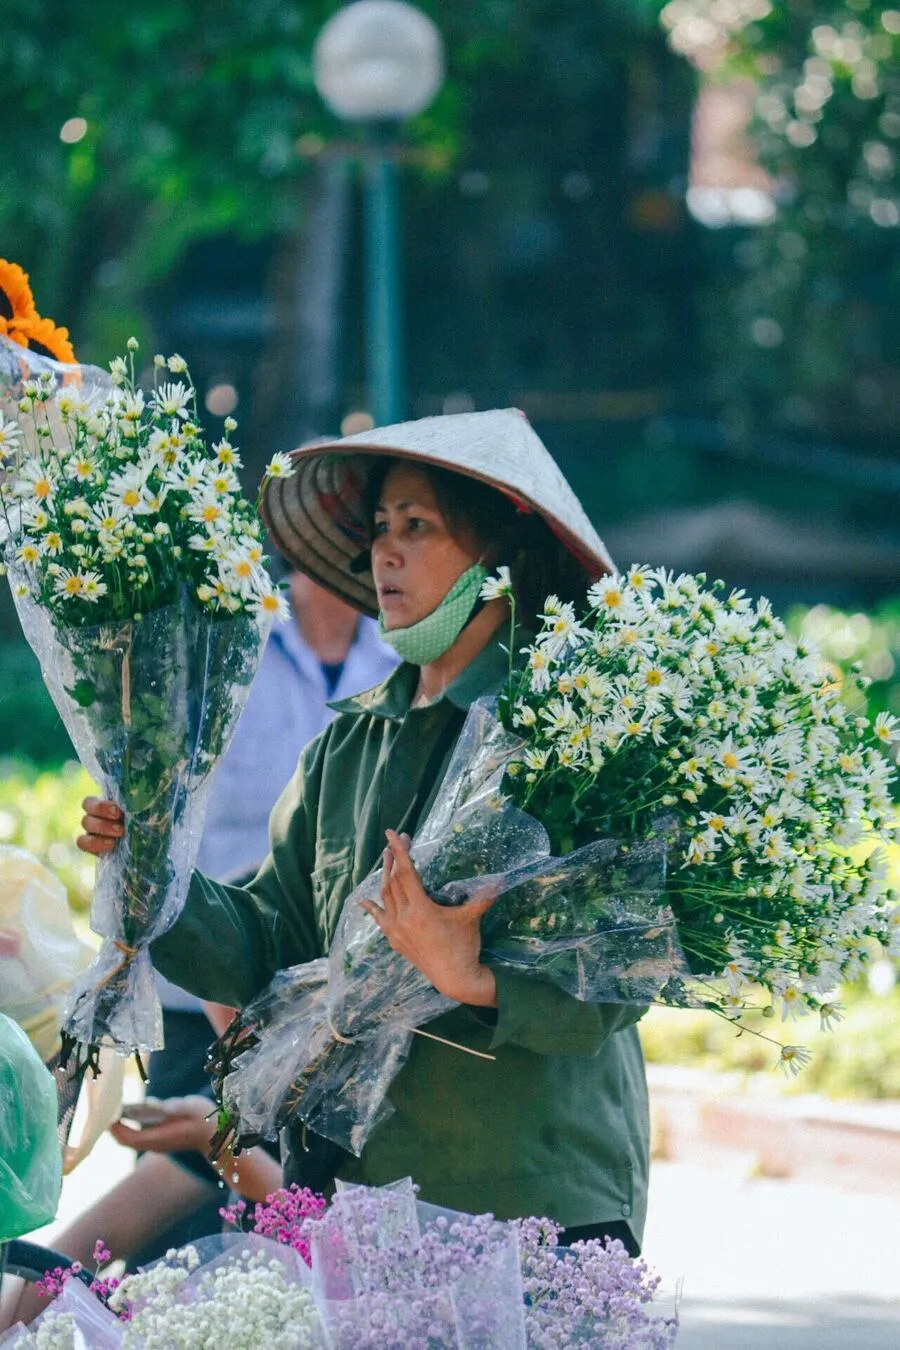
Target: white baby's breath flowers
247,1300
57,1331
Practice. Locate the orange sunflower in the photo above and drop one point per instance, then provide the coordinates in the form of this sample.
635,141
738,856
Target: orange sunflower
16,300
43,337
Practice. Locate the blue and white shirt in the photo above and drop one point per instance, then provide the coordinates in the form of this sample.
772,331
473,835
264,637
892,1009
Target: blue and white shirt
286,708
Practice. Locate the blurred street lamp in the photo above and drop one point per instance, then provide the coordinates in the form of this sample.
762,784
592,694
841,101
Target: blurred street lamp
379,62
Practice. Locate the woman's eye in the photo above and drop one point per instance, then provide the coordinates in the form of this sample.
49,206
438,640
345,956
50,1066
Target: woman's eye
414,523
379,527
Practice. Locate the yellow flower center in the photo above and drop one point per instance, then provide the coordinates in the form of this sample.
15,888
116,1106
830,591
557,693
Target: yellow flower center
654,678
612,599
210,513
74,585
42,488
131,497
730,759
269,604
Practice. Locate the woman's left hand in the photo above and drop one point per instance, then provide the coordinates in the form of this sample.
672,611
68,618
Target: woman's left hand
443,942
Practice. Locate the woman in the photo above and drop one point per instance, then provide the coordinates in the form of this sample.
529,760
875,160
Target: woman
407,521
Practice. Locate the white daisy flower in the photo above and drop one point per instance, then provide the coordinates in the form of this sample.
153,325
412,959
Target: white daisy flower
35,482
269,603
279,466
172,399
495,588
81,467
69,584
793,1058
10,437
886,728
226,454
830,1012
539,665
93,588
222,481
29,552
208,509
107,516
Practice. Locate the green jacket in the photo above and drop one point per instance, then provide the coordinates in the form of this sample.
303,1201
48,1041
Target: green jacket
557,1124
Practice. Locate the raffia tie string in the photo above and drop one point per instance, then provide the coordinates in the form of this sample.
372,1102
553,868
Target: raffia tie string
416,1031
129,952
344,1040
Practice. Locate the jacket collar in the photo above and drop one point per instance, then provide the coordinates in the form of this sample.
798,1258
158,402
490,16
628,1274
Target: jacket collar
485,674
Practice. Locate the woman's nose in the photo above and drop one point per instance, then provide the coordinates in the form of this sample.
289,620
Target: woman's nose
386,548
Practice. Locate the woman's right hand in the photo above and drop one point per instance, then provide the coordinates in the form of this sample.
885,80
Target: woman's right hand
103,823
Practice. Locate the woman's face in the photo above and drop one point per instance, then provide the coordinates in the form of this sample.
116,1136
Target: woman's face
415,558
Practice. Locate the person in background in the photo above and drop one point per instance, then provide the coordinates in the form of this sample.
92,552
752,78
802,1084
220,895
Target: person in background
325,651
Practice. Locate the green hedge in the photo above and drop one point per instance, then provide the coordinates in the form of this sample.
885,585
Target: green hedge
30,727
860,1057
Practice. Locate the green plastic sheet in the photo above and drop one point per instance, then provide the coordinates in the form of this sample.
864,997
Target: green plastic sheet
30,1155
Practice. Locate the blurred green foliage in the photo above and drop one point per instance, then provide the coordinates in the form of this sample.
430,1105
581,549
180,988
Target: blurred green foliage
30,727
869,640
860,1057
40,810
135,131
804,311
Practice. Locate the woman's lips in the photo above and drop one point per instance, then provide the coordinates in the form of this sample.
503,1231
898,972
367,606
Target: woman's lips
390,599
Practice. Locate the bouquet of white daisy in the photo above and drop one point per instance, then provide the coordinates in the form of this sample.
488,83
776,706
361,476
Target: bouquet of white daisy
137,570
671,803
670,704
323,1042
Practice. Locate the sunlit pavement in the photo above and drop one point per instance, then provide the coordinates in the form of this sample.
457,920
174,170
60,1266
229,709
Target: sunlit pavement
761,1263
775,1264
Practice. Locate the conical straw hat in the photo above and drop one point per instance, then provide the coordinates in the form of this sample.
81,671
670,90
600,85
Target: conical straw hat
316,516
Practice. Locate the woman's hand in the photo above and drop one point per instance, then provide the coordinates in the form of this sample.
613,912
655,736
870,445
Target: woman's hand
443,942
190,1123
103,823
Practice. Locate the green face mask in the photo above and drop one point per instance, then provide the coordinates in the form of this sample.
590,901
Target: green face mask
423,642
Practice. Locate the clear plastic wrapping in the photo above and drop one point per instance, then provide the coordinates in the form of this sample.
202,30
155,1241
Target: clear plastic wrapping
40,952
389,1270
325,1040
387,1273
150,704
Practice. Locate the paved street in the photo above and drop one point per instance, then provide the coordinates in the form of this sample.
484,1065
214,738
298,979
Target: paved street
776,1264
763,1264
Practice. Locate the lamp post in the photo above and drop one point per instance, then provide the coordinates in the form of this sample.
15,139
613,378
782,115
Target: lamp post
378,62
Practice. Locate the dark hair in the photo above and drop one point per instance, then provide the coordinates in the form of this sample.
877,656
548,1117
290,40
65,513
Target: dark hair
539,565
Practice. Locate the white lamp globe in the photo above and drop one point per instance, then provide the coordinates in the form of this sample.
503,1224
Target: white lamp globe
378,60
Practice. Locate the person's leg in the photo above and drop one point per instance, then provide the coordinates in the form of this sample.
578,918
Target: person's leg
179,1070
143,1203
